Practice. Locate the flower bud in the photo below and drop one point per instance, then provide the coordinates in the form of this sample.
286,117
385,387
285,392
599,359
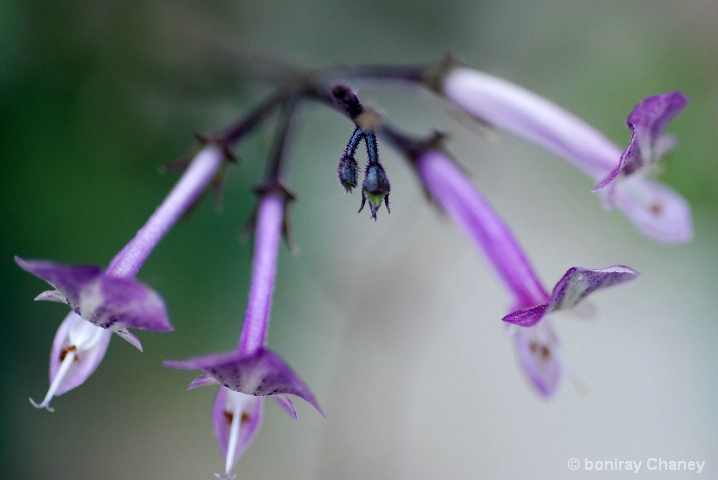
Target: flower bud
375,188
347,171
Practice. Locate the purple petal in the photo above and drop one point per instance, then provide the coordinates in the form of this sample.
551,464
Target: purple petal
203,380
226,405
260,373
68,280
527,316
109,302
576,284
540,356
647,121
286,404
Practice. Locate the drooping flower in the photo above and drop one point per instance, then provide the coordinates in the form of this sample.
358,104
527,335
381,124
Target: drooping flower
252,371
536,343
655,209
106,301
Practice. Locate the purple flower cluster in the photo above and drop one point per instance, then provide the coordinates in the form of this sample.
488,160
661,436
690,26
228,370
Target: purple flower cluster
112,300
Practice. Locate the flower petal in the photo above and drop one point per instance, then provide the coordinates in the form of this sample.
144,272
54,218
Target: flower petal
76,352
655,209
202,381
540,356
68,280
128,303
576,284
90,344
527,316
230,406
114,303
260,373
286,404
647,121
51,296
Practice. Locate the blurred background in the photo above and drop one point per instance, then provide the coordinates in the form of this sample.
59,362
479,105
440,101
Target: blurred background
394,324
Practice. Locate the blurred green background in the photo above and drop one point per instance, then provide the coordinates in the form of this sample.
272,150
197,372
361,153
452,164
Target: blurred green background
394,324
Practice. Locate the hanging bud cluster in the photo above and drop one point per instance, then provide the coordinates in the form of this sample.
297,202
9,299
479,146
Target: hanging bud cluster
376,185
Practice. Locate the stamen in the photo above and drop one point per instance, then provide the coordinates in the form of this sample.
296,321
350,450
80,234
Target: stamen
237,416
57,380
66,350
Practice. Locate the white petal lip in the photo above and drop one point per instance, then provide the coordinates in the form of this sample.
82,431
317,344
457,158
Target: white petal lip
655,209
77,351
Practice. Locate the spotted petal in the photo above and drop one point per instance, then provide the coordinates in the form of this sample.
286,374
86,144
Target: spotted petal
87,341
114,303
260,373
576,284
237,418
540,356
654,208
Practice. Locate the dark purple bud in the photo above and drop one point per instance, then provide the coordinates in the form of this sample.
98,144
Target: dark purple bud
375,188
347,171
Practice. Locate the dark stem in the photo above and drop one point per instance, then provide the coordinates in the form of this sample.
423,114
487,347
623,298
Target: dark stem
405,73
277,158
356,137
235,131
371,147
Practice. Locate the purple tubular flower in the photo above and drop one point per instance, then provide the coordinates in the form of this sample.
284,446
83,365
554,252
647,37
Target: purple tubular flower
654,209
109,301
537,347
252,371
